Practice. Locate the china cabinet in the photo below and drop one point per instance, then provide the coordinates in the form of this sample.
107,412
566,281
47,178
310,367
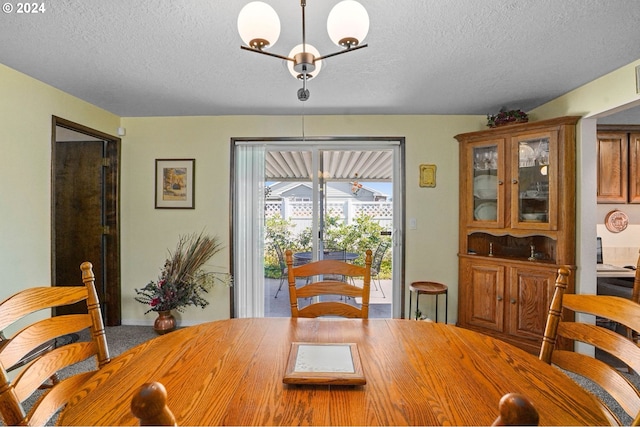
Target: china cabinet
517,226
618,163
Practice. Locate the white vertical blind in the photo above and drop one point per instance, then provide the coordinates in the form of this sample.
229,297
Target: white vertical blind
248,231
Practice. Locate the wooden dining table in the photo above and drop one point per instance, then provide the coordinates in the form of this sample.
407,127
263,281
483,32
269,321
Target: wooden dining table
230,372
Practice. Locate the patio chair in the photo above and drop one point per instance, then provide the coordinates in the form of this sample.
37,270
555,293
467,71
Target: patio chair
17,308
282,265
375,265
617,309
325,287
335,252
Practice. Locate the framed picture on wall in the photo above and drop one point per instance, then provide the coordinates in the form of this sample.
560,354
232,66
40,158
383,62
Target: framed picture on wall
427,175
175,183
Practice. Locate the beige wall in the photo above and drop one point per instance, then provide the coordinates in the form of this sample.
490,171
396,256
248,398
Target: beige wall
146,232
27,105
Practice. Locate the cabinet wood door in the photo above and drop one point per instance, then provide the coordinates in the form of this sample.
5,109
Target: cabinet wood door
530,293
484,296
612,168
634,168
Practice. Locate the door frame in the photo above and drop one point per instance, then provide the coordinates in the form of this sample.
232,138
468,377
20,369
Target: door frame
399,202
111,235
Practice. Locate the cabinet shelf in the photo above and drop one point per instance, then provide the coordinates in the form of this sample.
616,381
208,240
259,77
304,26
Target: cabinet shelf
543,196
513,259
508,246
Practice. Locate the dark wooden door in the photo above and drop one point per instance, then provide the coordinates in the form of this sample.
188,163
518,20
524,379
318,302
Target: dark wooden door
85,220
78,214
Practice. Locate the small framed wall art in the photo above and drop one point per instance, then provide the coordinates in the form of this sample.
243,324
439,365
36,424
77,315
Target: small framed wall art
427,175
175,183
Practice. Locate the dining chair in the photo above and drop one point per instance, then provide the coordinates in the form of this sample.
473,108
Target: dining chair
516,410
325,287
149,405
635,297
616,309
18,308
378,255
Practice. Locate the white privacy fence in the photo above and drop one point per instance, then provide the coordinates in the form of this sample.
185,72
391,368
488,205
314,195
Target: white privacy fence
300,213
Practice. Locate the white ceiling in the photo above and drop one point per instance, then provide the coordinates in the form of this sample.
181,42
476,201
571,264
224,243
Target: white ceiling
172,58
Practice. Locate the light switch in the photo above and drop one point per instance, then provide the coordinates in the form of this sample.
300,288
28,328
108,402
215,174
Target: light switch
413,224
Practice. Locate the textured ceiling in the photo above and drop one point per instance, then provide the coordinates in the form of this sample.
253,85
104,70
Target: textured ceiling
166,58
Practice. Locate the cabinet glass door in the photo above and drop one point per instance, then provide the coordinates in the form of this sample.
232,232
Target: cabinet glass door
486,184
532,192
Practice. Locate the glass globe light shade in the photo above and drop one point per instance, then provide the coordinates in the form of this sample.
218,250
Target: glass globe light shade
310,49
348,21
258,25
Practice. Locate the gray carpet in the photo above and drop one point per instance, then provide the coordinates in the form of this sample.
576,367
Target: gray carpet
120,338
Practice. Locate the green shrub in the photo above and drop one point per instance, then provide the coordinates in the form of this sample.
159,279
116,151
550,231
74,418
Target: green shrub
364,233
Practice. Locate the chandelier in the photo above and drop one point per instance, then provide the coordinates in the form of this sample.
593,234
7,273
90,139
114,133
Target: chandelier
259,28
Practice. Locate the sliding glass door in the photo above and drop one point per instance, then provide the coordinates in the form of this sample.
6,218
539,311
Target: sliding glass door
345,208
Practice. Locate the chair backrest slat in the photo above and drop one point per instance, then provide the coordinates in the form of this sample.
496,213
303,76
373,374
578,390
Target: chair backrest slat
340,288
332,308
39,333
32,300
34,375
56,398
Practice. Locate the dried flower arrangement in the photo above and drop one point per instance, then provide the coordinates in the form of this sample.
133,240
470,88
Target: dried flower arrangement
182,281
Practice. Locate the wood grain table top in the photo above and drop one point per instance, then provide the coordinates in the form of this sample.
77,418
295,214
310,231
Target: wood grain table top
230,372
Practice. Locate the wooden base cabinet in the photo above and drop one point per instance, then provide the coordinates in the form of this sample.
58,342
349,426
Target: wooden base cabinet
509,300
517,226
